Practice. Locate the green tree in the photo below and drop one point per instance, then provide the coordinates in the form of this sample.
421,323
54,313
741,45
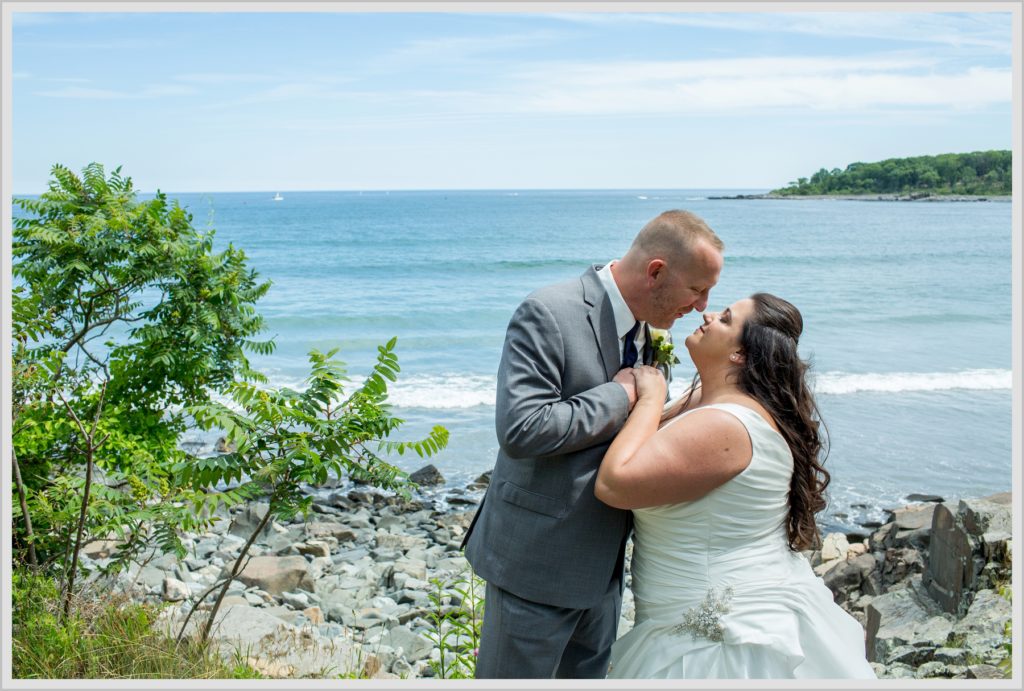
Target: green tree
980,172
286,438
140,319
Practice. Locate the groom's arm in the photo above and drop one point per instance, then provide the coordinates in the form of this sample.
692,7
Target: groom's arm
531,418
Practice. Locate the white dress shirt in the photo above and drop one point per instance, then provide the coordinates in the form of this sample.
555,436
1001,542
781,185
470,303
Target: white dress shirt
624,318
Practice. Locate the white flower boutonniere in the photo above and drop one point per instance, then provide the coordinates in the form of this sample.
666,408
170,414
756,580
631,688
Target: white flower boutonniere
661,343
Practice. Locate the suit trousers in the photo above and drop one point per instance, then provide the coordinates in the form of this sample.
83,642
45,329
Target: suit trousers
521,639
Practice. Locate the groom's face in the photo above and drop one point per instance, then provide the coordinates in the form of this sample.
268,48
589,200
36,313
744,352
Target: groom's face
686,287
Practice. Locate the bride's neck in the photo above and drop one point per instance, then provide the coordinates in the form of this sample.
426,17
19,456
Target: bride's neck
718,383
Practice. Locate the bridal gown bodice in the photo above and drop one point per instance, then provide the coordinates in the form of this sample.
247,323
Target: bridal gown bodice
719,593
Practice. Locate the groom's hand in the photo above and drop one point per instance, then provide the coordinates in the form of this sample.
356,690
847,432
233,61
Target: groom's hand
625,377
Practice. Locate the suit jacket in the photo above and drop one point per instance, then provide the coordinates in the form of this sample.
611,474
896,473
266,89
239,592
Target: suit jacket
540,532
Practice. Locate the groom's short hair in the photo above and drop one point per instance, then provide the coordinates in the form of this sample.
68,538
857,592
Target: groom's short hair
674,234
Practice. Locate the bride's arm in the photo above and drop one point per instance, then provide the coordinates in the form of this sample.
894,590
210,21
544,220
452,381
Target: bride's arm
678,406
647,467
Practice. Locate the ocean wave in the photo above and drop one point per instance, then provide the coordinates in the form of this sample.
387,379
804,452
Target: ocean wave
453,391
461,391
902,382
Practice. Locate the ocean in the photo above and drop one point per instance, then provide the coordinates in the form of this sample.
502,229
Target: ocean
907,310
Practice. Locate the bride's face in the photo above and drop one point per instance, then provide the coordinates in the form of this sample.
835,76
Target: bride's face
717,340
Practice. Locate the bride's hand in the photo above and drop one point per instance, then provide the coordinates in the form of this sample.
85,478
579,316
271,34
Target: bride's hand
650,383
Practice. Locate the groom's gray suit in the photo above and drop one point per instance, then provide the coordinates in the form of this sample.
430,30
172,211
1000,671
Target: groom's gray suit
550,551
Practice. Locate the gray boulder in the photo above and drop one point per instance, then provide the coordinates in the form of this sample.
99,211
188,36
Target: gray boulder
905,617
245,521
427,475
912,525
978,532
848,576
984,626
175,590
414,646
276,575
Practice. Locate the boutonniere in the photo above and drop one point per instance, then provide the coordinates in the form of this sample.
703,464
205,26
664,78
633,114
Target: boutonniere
663,348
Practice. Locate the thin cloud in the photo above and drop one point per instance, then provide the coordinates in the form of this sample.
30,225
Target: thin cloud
746,86
224,78
974,89
89,94
982,30
461,48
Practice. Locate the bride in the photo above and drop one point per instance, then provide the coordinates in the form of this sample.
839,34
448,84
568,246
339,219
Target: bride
723,497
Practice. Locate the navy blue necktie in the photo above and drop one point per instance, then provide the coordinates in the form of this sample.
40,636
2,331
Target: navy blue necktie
629,352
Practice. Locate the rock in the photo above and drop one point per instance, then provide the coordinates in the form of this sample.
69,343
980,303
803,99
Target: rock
881,539
913,526
904,617
427,475
315,615
101,549
834,546
175,590
909,655
900,563
985,672
481,482
963,542
245,521
951,656
415,646
315,548
931,670
276,575
417,568
338,531
984,625
925,498
991,522
402,669
234,600
856,550
298,601
278,648
899,671
398,542
848,576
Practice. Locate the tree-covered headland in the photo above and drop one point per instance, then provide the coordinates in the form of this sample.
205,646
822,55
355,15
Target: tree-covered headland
977,173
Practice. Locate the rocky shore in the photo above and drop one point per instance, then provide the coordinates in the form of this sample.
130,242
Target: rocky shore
360,589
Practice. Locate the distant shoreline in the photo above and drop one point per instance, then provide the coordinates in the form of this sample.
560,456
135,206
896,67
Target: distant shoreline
879,197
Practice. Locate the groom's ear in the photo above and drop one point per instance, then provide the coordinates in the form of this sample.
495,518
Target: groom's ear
655,269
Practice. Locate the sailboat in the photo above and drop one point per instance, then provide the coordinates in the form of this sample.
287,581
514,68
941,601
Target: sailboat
278,197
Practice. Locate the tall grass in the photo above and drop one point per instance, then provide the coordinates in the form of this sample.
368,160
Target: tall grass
108,638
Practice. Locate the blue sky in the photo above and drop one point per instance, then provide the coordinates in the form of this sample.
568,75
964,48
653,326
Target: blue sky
344,101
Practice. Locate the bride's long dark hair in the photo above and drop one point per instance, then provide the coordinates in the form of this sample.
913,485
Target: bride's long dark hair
774,374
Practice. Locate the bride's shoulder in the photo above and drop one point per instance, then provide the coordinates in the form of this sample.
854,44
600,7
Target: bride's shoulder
715,436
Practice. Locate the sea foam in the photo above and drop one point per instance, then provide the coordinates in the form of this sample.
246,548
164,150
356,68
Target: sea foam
900,382
460,391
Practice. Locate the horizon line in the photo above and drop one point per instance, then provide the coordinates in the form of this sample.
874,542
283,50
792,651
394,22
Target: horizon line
443,189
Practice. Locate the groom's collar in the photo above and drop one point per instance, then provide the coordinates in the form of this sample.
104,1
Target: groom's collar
624,319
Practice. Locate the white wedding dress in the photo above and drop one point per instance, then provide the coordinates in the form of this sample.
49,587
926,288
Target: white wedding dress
718,592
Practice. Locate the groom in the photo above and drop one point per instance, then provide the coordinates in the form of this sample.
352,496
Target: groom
552,554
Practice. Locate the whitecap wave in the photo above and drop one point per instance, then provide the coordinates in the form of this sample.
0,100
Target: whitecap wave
451,391
901,382
460,391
